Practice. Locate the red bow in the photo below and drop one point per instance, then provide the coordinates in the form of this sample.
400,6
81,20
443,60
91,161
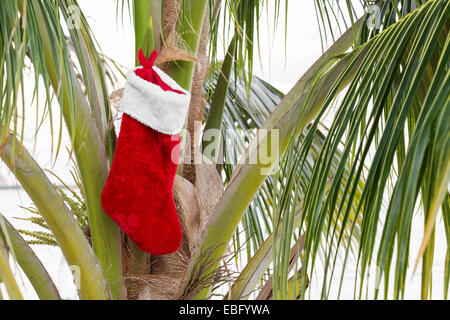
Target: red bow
148,73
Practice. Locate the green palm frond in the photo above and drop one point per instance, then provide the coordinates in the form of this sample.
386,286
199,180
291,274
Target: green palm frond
363,142
28,262
334,17
35,32
75,203
379,137
7,275
398,98
242,117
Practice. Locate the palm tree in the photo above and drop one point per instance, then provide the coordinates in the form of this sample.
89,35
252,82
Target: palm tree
343,191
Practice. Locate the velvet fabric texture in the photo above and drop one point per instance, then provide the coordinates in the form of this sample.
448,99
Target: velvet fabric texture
138,194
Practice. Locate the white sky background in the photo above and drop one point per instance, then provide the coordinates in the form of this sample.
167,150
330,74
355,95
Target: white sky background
280,67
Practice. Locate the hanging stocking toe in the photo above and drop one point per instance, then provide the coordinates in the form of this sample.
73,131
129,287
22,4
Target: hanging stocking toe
138,193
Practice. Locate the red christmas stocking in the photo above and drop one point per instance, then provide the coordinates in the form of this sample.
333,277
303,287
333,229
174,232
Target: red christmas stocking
138,193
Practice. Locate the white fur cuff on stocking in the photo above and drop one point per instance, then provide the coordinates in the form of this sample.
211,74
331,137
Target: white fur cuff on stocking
163,111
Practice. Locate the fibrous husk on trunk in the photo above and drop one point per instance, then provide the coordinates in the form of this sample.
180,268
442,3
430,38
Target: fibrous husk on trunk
198,102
